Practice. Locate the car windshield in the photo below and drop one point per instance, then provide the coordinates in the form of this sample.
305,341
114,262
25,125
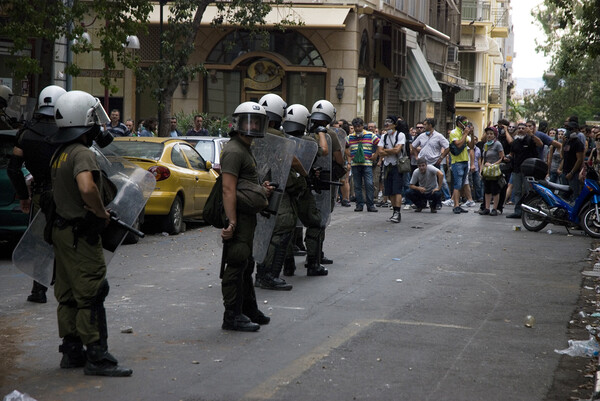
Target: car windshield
206,150
144,150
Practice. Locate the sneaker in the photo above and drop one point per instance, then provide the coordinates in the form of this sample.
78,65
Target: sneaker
470,203
358,209
396,217
418,209
438,206
484,212
406,207
513,216
448,202
493,212
433,209
458,210
346,203
372,209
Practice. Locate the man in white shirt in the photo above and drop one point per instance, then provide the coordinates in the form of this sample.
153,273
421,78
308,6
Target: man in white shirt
390,147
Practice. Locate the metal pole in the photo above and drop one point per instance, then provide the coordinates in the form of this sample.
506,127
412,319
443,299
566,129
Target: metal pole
160,94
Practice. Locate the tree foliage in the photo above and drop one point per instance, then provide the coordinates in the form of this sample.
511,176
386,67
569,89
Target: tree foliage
573,42
46,21
177,44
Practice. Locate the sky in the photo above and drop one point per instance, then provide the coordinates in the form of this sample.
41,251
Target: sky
527,63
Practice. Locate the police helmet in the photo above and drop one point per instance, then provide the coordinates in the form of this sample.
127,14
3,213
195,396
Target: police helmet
250,119
47,99
5,94
77,113
296,118
274,105
323,110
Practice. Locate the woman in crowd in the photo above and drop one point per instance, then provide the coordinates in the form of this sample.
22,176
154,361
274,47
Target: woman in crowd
554,155
493,154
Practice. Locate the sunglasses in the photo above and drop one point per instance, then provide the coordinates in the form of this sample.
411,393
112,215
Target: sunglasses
420,127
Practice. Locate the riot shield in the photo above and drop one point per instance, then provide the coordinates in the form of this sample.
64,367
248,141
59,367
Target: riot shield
323,196
305,151
273,156
21,108
35,257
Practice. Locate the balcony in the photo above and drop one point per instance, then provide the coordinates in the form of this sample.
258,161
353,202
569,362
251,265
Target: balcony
476,95
500,20
478,11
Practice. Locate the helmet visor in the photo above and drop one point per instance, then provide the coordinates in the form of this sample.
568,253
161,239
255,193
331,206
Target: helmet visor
251,124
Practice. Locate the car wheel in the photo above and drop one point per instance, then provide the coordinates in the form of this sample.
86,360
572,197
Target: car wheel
174,220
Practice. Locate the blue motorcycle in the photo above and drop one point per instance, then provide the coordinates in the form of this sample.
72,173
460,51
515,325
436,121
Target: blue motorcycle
546,202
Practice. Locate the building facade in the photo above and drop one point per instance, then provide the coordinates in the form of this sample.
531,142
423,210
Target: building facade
485,57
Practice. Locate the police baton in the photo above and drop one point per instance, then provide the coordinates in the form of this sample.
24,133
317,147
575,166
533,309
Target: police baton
113,217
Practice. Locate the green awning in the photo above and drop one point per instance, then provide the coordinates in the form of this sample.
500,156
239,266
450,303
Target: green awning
420,84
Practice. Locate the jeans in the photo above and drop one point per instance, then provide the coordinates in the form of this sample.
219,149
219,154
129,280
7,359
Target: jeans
361,173
420,200
520,189
475,179
406,177
445,187
574,184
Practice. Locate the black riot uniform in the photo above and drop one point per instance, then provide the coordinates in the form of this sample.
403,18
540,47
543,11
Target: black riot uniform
33,149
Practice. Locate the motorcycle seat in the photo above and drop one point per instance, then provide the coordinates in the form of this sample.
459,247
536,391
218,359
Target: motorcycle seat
552,185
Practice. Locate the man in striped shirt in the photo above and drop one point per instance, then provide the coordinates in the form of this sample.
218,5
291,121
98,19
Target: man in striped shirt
363,146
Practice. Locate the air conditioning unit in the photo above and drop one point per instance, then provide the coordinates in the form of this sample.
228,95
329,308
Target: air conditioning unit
452,54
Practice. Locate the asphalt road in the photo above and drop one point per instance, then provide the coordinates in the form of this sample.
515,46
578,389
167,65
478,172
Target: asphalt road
432,308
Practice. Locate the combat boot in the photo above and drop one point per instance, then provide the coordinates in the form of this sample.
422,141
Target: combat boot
256,316
274,283
260,275
73,353
289,266
315,269
239,322
101,363
38,293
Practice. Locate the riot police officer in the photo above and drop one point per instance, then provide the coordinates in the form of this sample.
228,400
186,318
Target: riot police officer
32,148
81,286
322,114
238,163
280,250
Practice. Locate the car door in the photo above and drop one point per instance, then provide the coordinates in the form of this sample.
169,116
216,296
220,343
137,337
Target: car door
205,179
187,178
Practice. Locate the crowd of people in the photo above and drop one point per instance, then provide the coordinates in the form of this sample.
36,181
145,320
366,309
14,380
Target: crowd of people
474,168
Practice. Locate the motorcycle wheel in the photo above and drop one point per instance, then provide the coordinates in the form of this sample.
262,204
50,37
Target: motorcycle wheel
530,221
591,222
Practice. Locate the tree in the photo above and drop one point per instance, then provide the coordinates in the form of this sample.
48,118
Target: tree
177,44
46,21
573,42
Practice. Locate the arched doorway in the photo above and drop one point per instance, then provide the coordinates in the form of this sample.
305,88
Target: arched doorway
244,68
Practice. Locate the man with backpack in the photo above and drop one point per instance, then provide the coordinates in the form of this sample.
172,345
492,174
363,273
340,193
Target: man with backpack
391,147
459,159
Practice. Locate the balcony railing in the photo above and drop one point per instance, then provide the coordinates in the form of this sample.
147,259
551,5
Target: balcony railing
475,10
475,95
500,16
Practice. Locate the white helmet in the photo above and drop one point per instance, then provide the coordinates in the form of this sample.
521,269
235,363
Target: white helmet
47,99
5,94
76,113
250,119
274,105
296,118
323,110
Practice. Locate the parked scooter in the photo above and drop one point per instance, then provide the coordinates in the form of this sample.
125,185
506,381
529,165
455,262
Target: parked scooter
546,202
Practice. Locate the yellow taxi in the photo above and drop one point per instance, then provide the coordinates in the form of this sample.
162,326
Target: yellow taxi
183,178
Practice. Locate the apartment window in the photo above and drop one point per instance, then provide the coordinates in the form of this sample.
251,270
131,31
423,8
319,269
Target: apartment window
398,52
400,5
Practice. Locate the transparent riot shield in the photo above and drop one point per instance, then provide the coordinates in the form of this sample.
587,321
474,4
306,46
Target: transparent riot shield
305,151
273,156
35,257
21,108
323,195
